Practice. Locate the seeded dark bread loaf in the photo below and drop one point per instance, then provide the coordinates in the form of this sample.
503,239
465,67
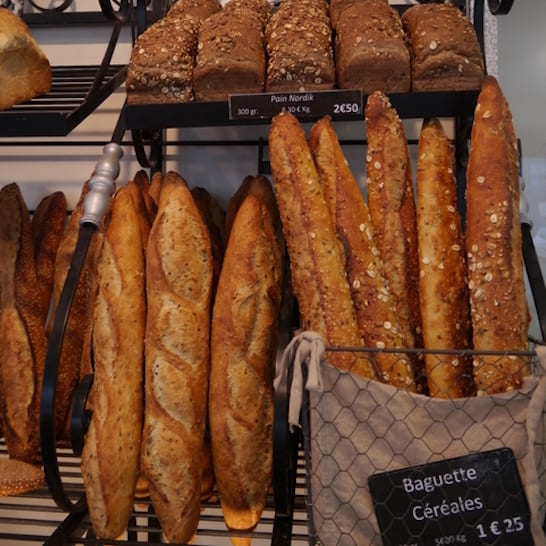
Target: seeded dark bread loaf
500,317
111,452
231,54
25,72
375,311
299,47
23,345
200,9
445,53
243,350
443,291
371,53
317,265
391,202
162,60
178,284
335,8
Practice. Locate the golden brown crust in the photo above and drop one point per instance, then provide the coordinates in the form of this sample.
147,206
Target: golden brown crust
137,194
319,281
155,188
445,53
500,317
23,348
444,298
243,350
110,456
25,72
48,223
18,477
392,208
377,320
178,284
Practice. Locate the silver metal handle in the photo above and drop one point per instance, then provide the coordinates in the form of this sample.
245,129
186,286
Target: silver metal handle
102,185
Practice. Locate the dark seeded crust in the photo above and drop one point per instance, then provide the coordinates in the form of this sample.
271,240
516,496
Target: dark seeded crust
445,53
500,318
201,9
371,53
299,47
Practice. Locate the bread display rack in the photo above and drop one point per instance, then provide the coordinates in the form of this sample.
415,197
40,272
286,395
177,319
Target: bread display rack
57,515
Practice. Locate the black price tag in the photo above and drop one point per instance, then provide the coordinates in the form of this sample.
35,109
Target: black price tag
340,104
475,499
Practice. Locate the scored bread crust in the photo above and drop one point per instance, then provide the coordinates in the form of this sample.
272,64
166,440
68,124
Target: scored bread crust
500,316
391,202
443,291
24,343
377,320
111,452
317,266
178,284
243,350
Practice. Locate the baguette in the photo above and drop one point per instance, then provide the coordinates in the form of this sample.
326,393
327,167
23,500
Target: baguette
443,291
391,203
24,343
500,317
377,320
110,456
317,267
48,223
243,350
178,286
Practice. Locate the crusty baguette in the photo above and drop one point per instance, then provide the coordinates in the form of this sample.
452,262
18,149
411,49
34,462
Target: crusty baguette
443,291
243,349
111,452
155,186
317,267
137,194
142,180
391,203
178,285
377,320
500,317
48,223
79,318
24,343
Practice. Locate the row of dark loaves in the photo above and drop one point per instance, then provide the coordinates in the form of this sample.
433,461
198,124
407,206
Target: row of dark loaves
201,51
399,270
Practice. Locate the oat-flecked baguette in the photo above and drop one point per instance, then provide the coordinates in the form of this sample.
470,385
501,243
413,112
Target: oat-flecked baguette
443,291
317,266
48,223
391,203
377,320
243,350
111,453
500,317
178,286
23,345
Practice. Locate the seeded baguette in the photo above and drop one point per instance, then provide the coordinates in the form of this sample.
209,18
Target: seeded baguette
443,291
178,287
317,266
377,320
391,202
500,317
111,452
23,345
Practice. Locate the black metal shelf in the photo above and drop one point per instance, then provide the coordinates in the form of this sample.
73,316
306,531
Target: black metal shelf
215,114
76,91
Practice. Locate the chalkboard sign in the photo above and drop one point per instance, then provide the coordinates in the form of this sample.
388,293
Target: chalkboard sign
475,499
340,104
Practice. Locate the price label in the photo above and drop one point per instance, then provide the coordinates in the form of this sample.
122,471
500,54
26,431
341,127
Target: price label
476,499
340,104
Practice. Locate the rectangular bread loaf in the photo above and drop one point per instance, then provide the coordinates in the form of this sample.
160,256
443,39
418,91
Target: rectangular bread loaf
445,53
371,53
299,47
